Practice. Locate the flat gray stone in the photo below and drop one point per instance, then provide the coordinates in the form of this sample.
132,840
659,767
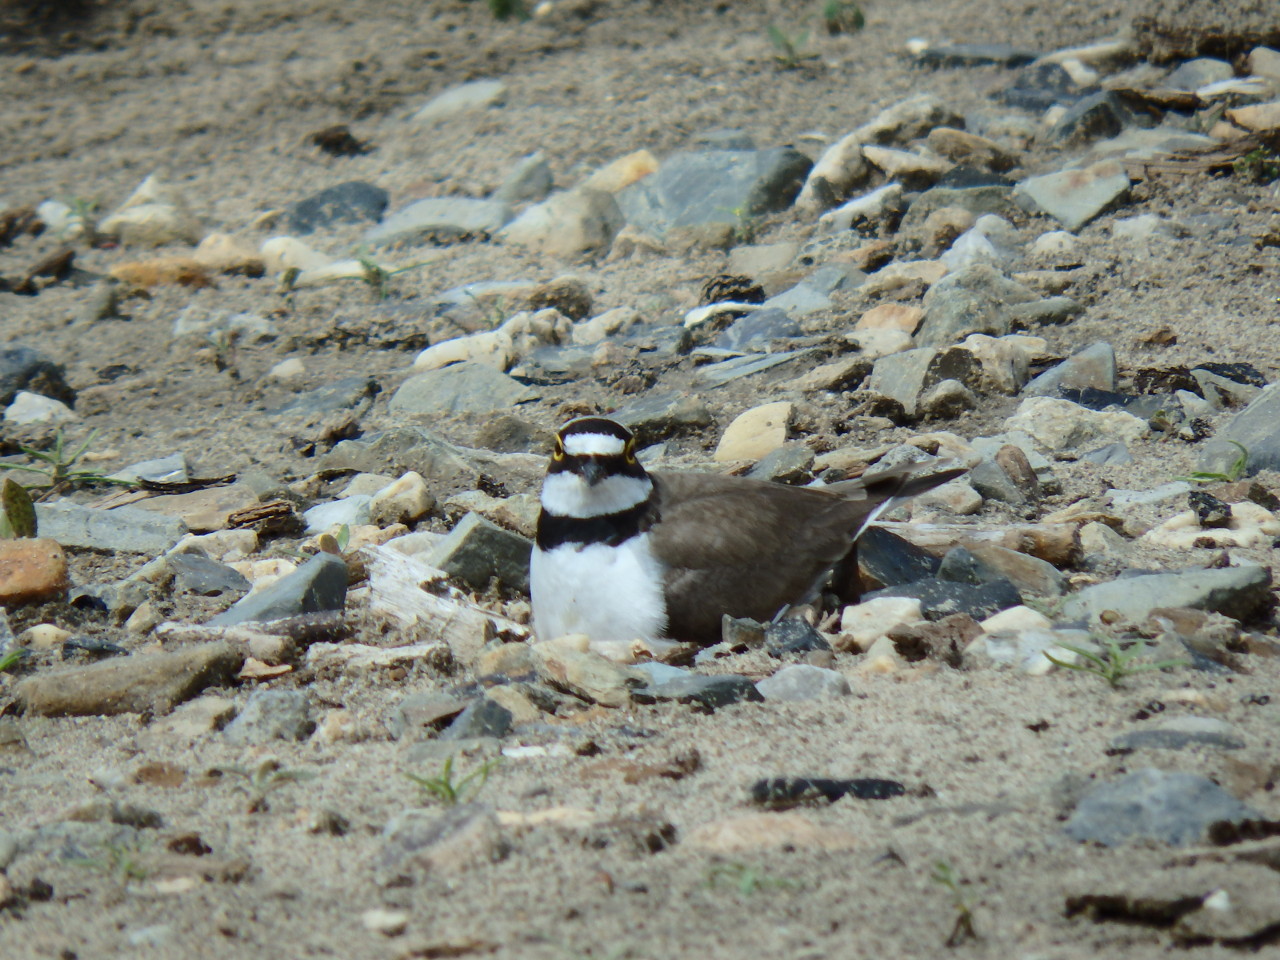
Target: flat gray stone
705,692
441,218
658,416
802,681
463,98
433,842
350,202
715,186
317,586
975,299
1094,366
172,468
24,368
1256,428
1180,733
1233,591
572,224
477,550
528,181
1074,197
194,573
1175,808
982,200
345,394
272,715
122,530
460,388
483,718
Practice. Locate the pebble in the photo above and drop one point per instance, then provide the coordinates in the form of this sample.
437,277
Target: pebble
441,218
756,832
800,681
573,225
1247,525
705,693
134,684
317,586
991,239
755,432
34,408
290,253
908,120
44,636
869,211
462,98
462,388
962,146
1173,808
121,530
864,623
389,923
192,720
31,570
1256,428
417,843
222,253
942,598
23,368
906,166
348,511
974,299
272,715
622,172
528,181
1180,733
478,550
406,500
484,717
351,202
839,170
193,573
154,215
1075,197
1092,366
891,316
1067,429
1236,592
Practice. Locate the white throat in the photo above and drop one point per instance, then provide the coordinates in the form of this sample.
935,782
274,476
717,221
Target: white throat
565,494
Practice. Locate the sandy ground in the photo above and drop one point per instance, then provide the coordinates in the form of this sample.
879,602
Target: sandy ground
220,98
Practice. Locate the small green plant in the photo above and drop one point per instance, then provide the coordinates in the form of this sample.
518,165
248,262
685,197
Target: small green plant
379,277
791,53
840,16
1114,663
508,9
495,313
118,860
745,878
17,512
963,929
1239,467
443,789
11,658
58,467
1258,166
266,778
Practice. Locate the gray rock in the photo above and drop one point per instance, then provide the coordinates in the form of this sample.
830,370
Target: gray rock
446,464
461,388
906,376
483,718
947,399
990,480
429,842
1194,74
1256,428
792,635
656,672
122,530
942,598
345,394
800,681
789,463
150,682
718,374
866,213
350,202
463,98
1049,311
1180,733
975,55
1233,591
1094,366
441,218
318,585
477,550
707,693
1074,197
715,186
528,181
272,715
813,293
194,573
1112,455
757,330
1174,808
22,368
659,416
1098,115
979,201
975,299
1222,393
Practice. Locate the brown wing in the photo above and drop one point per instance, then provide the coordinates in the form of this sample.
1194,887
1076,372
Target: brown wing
749,548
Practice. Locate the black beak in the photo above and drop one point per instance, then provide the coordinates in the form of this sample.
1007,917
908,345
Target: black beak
593,471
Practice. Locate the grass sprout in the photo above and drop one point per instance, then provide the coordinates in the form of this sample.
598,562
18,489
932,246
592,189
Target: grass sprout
945,875
1239,466
1113,664
745,878
444,789
58,466
267,777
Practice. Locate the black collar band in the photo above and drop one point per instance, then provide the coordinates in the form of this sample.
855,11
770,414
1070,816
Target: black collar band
612,529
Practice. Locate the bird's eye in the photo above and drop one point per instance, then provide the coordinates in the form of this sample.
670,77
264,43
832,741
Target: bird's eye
629,451
558,452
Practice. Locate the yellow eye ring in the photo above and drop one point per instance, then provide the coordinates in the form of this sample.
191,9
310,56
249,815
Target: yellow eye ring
558,452
629,451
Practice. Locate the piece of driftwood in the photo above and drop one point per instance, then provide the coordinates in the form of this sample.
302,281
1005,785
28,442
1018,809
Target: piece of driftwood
1056,543
305,629
410,590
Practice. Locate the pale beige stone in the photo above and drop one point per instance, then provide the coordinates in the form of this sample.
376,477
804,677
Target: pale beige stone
31,570
891,316
407,500
755,432
751,832
862,624
622,172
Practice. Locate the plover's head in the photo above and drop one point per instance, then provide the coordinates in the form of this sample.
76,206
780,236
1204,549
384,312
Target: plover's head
594,470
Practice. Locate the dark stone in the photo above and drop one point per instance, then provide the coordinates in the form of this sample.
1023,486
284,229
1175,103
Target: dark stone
352,202
1165,380
318,585
94,648
1038,87
783,792
659,416
1190,732
792,636
420,713
1209,510
942,598
22,368
790,463
1096,116
194,573
1238,372
890,560
705,693
976,55
478,550
483,718
1113,454
961,566
344,394
964,177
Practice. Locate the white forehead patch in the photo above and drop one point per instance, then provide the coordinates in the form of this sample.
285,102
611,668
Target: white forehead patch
592,444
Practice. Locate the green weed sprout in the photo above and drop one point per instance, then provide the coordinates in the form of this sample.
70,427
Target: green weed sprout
443,789
790,53
945,875
266,778
1239,466
745,878
58,467
1114,664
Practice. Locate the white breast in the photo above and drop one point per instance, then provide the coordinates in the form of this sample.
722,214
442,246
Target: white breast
608,593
